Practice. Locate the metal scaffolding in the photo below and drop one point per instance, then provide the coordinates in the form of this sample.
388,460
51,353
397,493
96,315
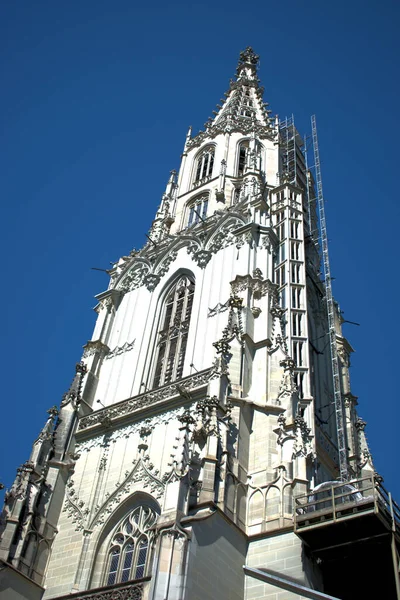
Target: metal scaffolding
293,160
339,409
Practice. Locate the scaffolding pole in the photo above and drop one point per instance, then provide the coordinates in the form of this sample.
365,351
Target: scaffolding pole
339,410
285,583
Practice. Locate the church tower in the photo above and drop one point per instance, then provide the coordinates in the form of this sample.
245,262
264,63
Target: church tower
197,436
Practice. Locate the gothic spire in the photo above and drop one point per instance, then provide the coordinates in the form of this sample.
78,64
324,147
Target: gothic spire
243,108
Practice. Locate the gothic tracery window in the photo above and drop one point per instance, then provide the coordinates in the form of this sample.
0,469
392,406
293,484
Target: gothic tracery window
204,164
197,210
173,333
128,553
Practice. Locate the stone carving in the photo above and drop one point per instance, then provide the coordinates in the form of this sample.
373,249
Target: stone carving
206,422
148,398
129,430
244,238
258,286
74,507
94,347
141,473
222,347
218,309
269,241
105,303
287,386
145,431
365,456
151,281
118,350
141,273
18,490
360,425
148,265
233,329
164,266
303,440
143,267
48,430
160,227
182,449
134,278
232,120
278,340
131,591
281,430
248,56
223,236
344,356
73,395
202,258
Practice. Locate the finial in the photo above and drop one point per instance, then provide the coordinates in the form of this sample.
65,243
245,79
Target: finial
74,393
53,412
248,56
188,138
169,189
247,65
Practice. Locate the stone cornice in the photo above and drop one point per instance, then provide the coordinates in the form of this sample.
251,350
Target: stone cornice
127,409
239,124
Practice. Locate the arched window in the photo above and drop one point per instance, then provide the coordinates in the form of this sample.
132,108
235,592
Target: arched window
246,112
243,150
173,333
204,164
255,159
197,209
128,556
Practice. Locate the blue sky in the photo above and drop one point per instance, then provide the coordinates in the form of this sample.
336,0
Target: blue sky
95,105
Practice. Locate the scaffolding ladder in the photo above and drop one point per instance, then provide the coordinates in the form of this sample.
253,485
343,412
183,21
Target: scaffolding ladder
339,410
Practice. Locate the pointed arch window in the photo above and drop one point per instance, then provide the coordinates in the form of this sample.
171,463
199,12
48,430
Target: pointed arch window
128,554
173,333
247,156
243,151
197,210
204,165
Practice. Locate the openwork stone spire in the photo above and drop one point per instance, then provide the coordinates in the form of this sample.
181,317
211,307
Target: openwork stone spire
243,108
249,60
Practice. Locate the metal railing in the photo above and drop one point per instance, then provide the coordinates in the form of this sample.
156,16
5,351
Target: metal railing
338,500
120,591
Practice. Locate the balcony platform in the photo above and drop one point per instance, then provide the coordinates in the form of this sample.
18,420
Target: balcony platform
352,530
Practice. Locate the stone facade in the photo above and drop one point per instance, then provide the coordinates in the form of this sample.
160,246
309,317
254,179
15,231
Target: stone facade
201,405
